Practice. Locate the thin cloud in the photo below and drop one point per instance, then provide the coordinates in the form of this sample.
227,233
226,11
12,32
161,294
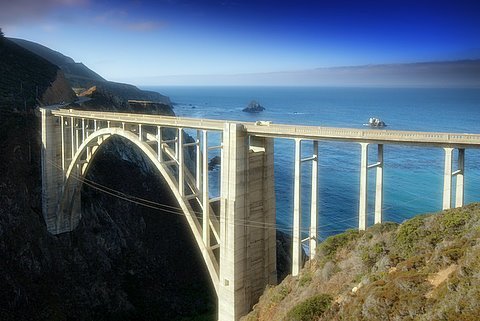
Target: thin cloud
13,12
145,26
118,18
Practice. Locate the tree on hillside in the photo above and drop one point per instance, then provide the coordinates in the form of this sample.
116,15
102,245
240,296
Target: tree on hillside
1,33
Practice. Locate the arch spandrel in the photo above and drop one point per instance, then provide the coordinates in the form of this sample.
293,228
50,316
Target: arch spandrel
69,212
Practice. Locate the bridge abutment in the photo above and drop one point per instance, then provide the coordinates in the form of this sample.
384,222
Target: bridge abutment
52,174
57,152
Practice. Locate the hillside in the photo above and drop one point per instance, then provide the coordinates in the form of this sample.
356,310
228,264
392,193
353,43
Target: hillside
427,268
82,78
25,78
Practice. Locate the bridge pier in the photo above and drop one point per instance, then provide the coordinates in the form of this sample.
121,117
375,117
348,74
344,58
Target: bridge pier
363,199
448,175
56,145
247,222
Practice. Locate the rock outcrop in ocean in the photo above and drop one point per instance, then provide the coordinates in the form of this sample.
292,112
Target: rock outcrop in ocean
253,107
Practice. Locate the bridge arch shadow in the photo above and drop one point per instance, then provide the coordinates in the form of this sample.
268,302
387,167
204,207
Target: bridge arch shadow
163,271
77,177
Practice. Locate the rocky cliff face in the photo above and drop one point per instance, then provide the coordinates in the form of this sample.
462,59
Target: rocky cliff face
59,91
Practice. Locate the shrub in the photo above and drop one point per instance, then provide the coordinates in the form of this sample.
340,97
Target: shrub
305,278
410,234
310,309
329,247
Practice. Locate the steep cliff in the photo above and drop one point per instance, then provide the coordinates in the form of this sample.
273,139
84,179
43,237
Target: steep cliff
26,77
59,91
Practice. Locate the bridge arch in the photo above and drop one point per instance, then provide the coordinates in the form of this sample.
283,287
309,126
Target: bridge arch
69,212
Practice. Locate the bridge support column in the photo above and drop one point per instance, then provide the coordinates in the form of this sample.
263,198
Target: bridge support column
459,190
246,197
297,210
447,179
379,186
52,174
314,203
363,203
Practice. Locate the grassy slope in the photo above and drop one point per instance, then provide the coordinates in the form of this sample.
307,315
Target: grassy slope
427,268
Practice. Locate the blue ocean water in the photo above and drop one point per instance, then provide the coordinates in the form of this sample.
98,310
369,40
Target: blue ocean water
413,181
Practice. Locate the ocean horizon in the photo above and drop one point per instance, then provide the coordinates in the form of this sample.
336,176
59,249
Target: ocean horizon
413,176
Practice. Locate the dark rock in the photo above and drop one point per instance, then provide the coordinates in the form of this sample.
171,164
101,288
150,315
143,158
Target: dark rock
214,162
253,107
284,255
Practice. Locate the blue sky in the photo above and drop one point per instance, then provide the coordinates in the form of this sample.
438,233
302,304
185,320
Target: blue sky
136,39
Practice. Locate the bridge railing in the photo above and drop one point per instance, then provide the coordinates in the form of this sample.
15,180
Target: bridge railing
289,131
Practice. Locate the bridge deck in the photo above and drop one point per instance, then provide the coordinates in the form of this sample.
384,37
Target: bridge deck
381,136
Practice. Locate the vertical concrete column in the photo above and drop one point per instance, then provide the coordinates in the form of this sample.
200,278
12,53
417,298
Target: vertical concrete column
198,161
140,132
270,213
205,194
379,186
72,134
159,144
181,163
52,174
297,210
363,202
232,292
261,232
459,190
83,130
62,126
314,203
77,137
447,179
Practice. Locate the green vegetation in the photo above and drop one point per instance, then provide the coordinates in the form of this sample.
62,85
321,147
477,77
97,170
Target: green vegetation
310,309
424,269
329,247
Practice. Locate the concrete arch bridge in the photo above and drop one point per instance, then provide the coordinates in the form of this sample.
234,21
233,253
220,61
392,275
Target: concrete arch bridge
238,241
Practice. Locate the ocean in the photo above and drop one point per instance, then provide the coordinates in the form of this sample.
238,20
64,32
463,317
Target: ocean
413,176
